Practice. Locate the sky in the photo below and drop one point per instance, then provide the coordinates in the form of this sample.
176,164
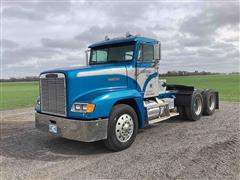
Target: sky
43,35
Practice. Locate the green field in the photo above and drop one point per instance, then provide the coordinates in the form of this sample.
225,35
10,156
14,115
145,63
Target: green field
23,94
18,94
228,86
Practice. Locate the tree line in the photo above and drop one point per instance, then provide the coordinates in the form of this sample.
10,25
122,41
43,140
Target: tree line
21,79
187,73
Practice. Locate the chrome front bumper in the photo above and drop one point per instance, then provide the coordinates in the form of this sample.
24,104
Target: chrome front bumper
86,131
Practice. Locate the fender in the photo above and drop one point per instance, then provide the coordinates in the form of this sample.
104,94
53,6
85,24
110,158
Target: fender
105,99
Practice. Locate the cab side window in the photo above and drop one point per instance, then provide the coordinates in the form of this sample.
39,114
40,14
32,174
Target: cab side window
145,53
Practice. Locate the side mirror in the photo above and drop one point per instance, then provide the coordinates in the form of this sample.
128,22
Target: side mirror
157,51
87,52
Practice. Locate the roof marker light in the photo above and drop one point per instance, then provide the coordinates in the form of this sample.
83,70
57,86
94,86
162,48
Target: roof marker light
107,38
128,34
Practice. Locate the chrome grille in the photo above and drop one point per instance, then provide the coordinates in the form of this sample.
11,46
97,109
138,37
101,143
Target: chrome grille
53,93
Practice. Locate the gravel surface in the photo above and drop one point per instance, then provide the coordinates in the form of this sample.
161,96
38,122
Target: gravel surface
172,149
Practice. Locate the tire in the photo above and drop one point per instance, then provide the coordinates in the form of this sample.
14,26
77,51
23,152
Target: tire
195,110
182,113
122,116
209,102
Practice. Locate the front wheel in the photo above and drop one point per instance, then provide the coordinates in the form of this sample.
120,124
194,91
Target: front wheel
122,127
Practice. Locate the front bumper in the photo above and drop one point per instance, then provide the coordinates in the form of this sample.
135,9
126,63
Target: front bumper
80,130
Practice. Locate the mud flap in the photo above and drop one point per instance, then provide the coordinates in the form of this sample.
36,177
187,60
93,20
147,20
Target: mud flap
183,94
217,99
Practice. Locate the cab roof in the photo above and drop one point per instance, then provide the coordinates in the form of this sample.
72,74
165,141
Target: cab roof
122,40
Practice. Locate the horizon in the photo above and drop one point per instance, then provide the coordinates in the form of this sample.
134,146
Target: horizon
166,73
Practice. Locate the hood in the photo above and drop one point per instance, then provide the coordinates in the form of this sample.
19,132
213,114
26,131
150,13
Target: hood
86,81
66,70
78,69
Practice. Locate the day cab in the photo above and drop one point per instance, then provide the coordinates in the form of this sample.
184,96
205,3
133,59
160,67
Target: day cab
115,94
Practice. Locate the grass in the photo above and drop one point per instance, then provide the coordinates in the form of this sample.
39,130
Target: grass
23,94
18,94
228,86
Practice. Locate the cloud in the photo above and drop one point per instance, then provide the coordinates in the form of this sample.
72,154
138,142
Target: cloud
62,43
7,44
130,11
12,56
211,18
96,33
40,35
194,41
21,13
34,11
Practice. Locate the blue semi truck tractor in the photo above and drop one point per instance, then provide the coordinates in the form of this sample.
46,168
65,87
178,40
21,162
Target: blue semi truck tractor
115,94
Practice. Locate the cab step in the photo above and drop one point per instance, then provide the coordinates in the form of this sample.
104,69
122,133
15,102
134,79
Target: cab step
159,119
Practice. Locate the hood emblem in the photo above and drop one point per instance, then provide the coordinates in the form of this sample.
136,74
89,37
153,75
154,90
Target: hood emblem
113,79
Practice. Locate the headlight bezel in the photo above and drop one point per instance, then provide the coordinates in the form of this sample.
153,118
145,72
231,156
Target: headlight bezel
83,107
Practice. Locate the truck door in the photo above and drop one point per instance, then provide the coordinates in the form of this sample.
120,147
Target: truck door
147,71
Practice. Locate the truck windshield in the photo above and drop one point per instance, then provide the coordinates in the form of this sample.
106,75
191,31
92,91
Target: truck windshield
112,53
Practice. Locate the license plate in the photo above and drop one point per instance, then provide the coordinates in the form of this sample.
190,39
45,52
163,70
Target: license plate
52,128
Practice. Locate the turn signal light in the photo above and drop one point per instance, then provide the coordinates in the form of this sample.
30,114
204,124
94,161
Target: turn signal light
90,108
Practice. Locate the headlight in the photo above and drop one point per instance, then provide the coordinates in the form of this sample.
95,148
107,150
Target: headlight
38,104
83,107
38,101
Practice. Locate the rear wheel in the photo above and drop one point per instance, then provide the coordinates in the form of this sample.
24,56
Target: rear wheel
195,110
209,99
122,127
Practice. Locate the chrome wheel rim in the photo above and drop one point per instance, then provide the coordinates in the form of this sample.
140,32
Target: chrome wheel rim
211,102
198,106
124,128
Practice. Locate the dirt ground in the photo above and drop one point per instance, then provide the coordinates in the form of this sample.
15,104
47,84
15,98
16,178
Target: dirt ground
172,149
